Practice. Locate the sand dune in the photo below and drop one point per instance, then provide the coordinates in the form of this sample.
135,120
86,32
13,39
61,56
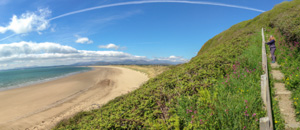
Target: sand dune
42,106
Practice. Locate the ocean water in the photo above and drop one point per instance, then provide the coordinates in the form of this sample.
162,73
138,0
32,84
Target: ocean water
10,79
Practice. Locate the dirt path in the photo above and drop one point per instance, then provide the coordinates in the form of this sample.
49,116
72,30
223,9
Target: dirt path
284,97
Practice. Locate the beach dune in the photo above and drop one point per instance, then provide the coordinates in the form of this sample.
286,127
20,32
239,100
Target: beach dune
43,105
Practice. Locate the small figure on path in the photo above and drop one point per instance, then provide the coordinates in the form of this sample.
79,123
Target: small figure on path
272,46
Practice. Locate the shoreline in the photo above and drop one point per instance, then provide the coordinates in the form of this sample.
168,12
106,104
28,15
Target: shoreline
43,105
31,83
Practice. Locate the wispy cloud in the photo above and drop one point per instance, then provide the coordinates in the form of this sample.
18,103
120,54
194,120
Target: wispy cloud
83,40
115,17
27,22
156,1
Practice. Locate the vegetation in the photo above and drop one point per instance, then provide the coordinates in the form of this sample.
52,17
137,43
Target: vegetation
285,26
150,70
218,89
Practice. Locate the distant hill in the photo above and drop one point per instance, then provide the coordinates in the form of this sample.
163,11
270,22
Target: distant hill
128,62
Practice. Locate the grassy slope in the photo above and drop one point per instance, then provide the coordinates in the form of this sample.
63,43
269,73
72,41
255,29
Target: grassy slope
218,89
285,26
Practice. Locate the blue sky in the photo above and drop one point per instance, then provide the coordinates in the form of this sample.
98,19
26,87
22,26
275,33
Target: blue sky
150,31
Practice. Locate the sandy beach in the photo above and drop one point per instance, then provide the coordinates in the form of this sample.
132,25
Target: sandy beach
43,105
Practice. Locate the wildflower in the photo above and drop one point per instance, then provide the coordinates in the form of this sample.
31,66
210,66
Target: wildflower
192,116
195,112
254,114
191,122
256,119
246,107
201,122
246,101
191,110
247,114
276,122
244,127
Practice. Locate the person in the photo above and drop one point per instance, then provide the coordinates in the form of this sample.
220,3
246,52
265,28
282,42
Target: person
272,46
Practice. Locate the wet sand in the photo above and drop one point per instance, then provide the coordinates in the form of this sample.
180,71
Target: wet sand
42,106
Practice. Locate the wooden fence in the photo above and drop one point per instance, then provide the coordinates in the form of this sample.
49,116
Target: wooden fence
266,123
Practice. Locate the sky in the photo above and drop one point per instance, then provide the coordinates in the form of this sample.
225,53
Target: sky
62,32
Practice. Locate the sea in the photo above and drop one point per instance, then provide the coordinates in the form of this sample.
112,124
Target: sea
10,79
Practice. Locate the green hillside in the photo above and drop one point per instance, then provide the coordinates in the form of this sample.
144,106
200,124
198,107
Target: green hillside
218,89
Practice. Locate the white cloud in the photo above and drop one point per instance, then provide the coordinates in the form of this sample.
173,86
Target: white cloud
84,40
110,46
48,54
28,22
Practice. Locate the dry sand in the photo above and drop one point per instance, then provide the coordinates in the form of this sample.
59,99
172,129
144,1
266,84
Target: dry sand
42,106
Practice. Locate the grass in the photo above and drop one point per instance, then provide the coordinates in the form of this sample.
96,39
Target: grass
218,89
285,26
150,70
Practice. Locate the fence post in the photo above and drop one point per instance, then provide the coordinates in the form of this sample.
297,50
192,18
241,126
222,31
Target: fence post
264,123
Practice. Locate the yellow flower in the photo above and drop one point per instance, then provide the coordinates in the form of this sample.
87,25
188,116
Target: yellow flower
276,122
294,98
287,78
288,83
296,75
275,99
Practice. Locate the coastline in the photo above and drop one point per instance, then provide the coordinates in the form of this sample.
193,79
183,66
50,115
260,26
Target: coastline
42,106
31,83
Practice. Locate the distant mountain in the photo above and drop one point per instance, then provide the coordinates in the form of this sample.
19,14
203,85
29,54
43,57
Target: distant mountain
128,62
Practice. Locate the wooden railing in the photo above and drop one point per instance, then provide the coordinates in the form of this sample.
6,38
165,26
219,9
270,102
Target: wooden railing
266,123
